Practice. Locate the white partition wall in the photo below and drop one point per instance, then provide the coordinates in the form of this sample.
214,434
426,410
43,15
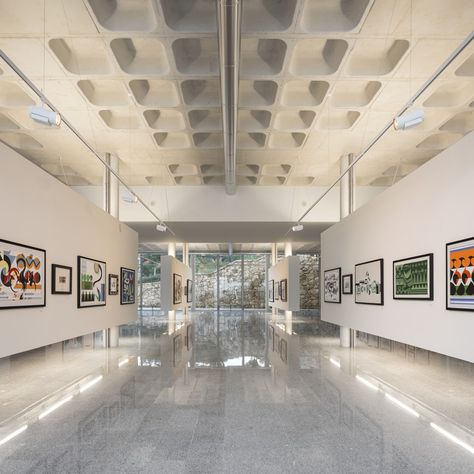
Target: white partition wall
39,211
287,269
170,266
429,208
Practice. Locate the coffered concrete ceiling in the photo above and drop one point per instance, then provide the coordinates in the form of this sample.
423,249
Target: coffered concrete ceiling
319,78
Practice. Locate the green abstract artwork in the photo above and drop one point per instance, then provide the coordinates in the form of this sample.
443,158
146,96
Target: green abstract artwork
412,278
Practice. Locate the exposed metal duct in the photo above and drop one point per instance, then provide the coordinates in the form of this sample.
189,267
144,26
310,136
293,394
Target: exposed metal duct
229,16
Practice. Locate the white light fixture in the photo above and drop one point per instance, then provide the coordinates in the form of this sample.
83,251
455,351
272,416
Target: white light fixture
54,407
297,227
402,405
452,438
367,383
409,119
160,227
130,198
12,435
43,115
88,385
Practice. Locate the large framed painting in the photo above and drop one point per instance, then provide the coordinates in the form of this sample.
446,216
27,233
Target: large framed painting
332,285
189,291
22,276
271,297
61,280
127,286
460,275
284,290
113,284
347,284
91,282
368,278
177,288
413,278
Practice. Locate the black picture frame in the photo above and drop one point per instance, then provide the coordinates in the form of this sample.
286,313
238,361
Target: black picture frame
177,288
428,257
380,267
459,245
82,293
343,285
337,293
113,278
284,290
22,303
189,291
127,285
271,297
55,268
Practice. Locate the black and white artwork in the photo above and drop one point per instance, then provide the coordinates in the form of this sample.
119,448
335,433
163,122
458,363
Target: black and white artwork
369,282
347,284
332,285
177,288
271,298
284,289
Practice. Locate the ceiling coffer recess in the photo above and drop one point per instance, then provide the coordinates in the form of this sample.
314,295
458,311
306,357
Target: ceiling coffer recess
229,15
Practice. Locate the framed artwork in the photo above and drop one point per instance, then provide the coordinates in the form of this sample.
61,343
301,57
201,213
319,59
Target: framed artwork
61,280
284,290
177,349
283,350
460,275
413,278
271,297
276,290
91,280
177,288
127,286
22,276
113,284
347,284
369,282
332,285
189,292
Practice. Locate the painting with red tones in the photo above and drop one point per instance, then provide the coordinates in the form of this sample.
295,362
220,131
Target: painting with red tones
460,275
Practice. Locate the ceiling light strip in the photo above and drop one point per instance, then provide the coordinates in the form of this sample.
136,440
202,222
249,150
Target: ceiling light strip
46,101
420,91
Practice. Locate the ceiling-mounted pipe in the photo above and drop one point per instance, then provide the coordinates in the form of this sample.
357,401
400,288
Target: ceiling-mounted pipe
229,17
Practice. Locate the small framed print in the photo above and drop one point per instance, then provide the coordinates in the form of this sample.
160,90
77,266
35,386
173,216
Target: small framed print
177,288
113,284
61,280
332,285
347,284
271,298
189,291
284,290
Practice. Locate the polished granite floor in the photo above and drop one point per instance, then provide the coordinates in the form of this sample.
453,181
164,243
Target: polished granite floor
238,392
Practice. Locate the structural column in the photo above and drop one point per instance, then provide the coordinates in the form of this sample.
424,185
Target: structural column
111,205
171,313
274,262
288,314
186,262
347,207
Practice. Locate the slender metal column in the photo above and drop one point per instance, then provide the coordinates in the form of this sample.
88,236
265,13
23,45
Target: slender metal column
288,314
347,207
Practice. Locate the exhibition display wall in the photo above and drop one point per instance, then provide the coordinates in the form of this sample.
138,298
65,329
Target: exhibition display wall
176,284
407,228
64,290
284,284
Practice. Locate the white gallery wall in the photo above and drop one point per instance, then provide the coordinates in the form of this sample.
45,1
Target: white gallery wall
432,206
39,211
288,269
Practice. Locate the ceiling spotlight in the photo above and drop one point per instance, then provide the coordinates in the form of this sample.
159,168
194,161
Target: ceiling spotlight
297,227
49,117
130,198
160,227
409,119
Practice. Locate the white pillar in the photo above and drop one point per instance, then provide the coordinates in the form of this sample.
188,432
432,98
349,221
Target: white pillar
111,205
347,206
274,262
288,314
288,249
172,313
186,253
172,249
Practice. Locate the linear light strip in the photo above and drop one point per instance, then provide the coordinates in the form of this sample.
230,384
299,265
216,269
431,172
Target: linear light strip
402,405
335,362
453,438
367,383
55,407
12,435
123,362
88,385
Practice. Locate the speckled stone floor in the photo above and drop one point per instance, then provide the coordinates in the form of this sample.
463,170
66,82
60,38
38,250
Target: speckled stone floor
240,393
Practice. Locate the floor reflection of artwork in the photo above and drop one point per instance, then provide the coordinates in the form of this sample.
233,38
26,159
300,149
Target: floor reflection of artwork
369,282
127,288
460,275
91,282
284,351
271,298
413,278
22,276
332,285
177,349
